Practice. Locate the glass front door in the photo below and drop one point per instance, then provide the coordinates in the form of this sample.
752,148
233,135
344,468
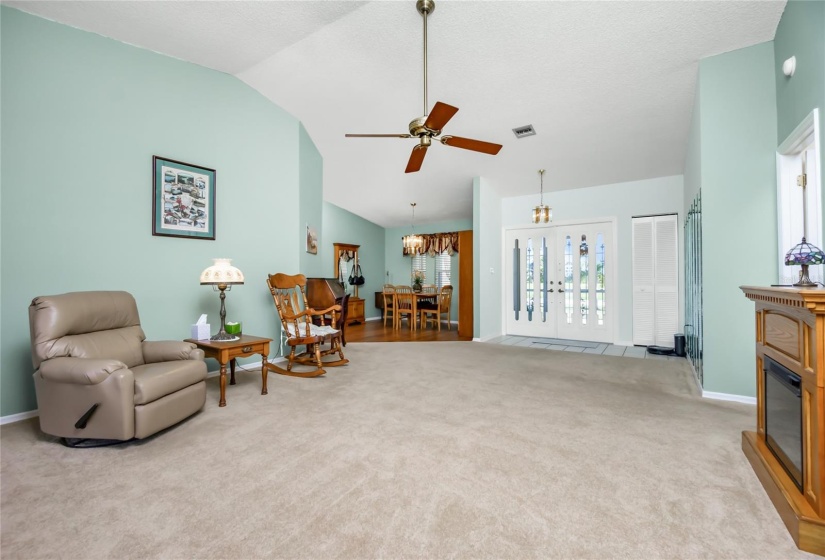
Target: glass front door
559,282
532,282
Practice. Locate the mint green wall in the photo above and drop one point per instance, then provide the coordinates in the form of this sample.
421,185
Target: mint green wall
693,154
310,195
342,226
487,239
801,33
621,201
739,240
82,116
397,267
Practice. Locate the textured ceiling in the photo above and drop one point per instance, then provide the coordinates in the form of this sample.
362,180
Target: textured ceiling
608,86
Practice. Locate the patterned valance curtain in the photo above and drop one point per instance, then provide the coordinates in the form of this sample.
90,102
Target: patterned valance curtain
436,243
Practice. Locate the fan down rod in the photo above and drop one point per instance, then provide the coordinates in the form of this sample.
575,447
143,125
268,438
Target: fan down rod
424,8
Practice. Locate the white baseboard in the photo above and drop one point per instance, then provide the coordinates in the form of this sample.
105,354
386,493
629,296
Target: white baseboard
486,338
18,417
373,319
718,396
728,397
624,343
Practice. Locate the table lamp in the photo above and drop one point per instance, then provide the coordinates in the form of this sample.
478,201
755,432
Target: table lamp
804,254
222,276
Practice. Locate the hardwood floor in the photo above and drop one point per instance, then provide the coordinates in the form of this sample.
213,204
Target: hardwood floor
374,331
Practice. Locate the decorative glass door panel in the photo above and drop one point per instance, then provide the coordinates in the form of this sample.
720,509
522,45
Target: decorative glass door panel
559,282
587,250
531,286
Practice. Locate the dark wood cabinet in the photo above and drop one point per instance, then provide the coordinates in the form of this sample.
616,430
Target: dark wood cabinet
348,252
355,311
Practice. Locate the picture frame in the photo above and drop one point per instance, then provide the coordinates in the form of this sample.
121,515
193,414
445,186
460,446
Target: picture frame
312,240
183,199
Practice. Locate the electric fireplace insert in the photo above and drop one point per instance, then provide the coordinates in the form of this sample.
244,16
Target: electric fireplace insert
783,417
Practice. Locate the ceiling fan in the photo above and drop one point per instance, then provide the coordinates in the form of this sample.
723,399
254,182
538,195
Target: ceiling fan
428,127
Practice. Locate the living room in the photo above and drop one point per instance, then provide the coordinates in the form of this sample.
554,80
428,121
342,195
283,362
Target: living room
82,117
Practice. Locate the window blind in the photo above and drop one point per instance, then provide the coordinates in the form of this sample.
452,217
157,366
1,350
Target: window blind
442,270
418,262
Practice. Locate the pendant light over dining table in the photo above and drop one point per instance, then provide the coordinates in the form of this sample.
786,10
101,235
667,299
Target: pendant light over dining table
542,213
412,242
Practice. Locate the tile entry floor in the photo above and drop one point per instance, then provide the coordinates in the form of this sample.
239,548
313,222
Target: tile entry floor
579,346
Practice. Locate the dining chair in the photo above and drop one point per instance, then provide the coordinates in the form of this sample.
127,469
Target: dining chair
404,306
445,298
428,302
389,304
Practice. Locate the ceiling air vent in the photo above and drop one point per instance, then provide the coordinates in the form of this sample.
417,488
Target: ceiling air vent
523,131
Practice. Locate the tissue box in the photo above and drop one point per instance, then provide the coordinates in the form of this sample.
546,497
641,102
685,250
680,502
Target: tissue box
200,331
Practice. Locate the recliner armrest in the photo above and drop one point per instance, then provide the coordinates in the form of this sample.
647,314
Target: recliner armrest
82,371
169,350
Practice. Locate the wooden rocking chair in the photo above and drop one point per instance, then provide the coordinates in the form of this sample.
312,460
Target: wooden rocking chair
289,293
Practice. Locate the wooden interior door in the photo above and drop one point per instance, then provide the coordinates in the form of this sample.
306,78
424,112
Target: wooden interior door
465,283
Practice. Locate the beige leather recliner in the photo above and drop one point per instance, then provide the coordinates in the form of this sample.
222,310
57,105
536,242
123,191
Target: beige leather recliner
98,378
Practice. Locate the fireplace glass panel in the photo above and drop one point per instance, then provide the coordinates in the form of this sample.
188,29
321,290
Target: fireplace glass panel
783,417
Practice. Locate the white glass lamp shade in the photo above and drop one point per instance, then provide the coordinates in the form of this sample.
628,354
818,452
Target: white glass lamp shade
542,214
222,272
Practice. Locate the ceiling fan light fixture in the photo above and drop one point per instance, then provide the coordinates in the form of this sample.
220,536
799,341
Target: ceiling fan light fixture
425,128
542,213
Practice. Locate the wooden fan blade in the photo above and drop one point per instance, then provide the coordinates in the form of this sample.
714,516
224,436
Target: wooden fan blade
378,135
416,159
470,144
440,115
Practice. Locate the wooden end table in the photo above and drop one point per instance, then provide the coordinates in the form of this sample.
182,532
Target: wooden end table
227,352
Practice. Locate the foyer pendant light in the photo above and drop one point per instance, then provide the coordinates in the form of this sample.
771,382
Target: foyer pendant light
413,242
542,213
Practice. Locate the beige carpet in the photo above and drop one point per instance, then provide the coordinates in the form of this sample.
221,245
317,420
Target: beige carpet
421,450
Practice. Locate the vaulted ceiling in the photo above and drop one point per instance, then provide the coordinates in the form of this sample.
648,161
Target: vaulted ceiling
608,86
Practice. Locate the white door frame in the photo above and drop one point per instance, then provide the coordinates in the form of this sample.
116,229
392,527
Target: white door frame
612,276
806,133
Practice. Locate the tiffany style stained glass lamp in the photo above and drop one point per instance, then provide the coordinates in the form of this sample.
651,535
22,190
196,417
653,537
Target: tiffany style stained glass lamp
804,254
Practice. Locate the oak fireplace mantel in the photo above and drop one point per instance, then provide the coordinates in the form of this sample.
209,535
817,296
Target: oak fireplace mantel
790,331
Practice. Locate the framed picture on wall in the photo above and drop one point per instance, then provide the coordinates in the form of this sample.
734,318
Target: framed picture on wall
183,201
312,240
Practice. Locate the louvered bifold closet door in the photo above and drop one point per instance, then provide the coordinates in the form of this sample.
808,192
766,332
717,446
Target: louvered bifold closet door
643,282
666,280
